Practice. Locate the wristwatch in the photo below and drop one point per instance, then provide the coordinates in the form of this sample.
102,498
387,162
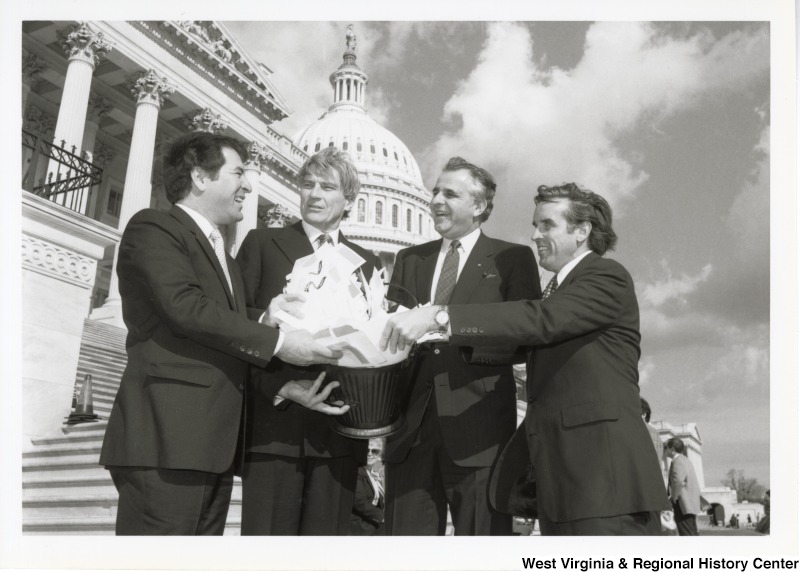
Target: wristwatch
442,319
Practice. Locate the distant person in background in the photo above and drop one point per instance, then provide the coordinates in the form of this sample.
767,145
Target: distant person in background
763,524
684,489
367,516
646,412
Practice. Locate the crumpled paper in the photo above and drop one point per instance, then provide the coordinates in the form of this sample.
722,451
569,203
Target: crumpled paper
342,310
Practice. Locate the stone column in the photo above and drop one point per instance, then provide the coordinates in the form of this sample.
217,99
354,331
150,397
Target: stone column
98,107
150,91
252,170
32,67
84,48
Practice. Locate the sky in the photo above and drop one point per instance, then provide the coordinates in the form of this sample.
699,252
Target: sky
669,121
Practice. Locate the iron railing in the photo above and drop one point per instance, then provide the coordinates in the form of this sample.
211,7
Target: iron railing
56,174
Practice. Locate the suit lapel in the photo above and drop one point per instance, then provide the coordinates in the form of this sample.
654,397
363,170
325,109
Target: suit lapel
578,270
294,243
424,272
473,270
205,245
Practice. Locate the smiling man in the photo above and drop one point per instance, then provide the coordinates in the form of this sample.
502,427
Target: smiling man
299,475
462,407
595,467
172,433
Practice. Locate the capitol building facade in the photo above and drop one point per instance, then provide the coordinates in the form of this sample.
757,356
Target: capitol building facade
100,103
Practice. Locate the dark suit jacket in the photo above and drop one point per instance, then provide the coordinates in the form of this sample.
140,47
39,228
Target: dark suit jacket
179,403
367,518
267,256
476,393
590,451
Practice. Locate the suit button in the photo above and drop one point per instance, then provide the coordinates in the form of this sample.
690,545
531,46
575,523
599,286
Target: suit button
437,351
474,330
249,351
463,330
481,330
241,348
256,353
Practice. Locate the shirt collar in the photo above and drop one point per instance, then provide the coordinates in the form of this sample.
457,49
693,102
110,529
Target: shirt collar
467,241
205,225
562,274
314,233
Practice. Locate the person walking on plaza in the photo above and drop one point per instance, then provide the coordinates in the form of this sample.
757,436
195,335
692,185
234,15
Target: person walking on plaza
683,488
173,430
299,474
595,467
462,408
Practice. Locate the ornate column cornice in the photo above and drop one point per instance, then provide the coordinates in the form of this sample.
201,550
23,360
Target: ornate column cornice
275,216
86,45
151,88
257,156
98,107
206,121
32,67
103,155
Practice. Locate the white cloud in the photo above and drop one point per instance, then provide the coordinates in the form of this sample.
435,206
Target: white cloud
532,126
646,368
673,288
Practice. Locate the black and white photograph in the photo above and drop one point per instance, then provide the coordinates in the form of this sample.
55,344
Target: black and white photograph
338,269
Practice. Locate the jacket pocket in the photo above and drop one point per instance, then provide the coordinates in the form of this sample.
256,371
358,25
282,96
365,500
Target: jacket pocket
584,413
194,373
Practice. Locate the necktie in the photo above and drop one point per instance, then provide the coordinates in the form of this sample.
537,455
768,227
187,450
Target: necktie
449,275
551,287
324,239
219,250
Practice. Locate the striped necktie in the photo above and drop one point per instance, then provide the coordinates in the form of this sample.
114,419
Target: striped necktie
324,239
448,277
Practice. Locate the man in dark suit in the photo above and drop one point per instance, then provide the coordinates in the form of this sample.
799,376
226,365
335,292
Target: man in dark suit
367,516
595,468
172,434
299,475
462,408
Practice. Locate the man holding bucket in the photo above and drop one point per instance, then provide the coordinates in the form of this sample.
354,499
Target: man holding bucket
299,475
462,407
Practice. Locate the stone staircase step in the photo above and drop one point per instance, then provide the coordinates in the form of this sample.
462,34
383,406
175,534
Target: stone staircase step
94,526
95,433
63,448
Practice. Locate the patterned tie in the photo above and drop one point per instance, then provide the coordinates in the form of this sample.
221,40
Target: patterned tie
449,275
219,250
324,239
551,287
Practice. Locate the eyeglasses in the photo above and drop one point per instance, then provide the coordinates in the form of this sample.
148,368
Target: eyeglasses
375,451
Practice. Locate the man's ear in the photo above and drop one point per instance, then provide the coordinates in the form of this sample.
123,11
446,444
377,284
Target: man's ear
583,230
199,178
480,207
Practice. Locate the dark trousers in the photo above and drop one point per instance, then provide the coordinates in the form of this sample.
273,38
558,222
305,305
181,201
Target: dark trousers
162,502
687,523
419,490
636,524
289,496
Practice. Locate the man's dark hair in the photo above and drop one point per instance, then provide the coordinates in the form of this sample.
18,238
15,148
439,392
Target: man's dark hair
646,412
482,178
584,206
676,445
200,150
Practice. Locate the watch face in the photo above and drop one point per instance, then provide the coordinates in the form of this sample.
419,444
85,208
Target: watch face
442,317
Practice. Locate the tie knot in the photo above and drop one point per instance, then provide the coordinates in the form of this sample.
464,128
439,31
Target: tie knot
324,238
454,245
215,236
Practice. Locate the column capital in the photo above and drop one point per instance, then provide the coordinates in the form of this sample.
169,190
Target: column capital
32,67
86,45
98,106
257,155
275,216
151,88
206,121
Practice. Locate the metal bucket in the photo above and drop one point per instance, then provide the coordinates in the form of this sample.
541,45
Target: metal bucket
377,397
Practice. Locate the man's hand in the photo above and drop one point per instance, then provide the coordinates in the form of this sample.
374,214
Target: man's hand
304,392
299,348
289,303
404,329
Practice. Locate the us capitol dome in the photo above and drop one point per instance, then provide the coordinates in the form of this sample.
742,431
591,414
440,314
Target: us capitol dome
391,210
